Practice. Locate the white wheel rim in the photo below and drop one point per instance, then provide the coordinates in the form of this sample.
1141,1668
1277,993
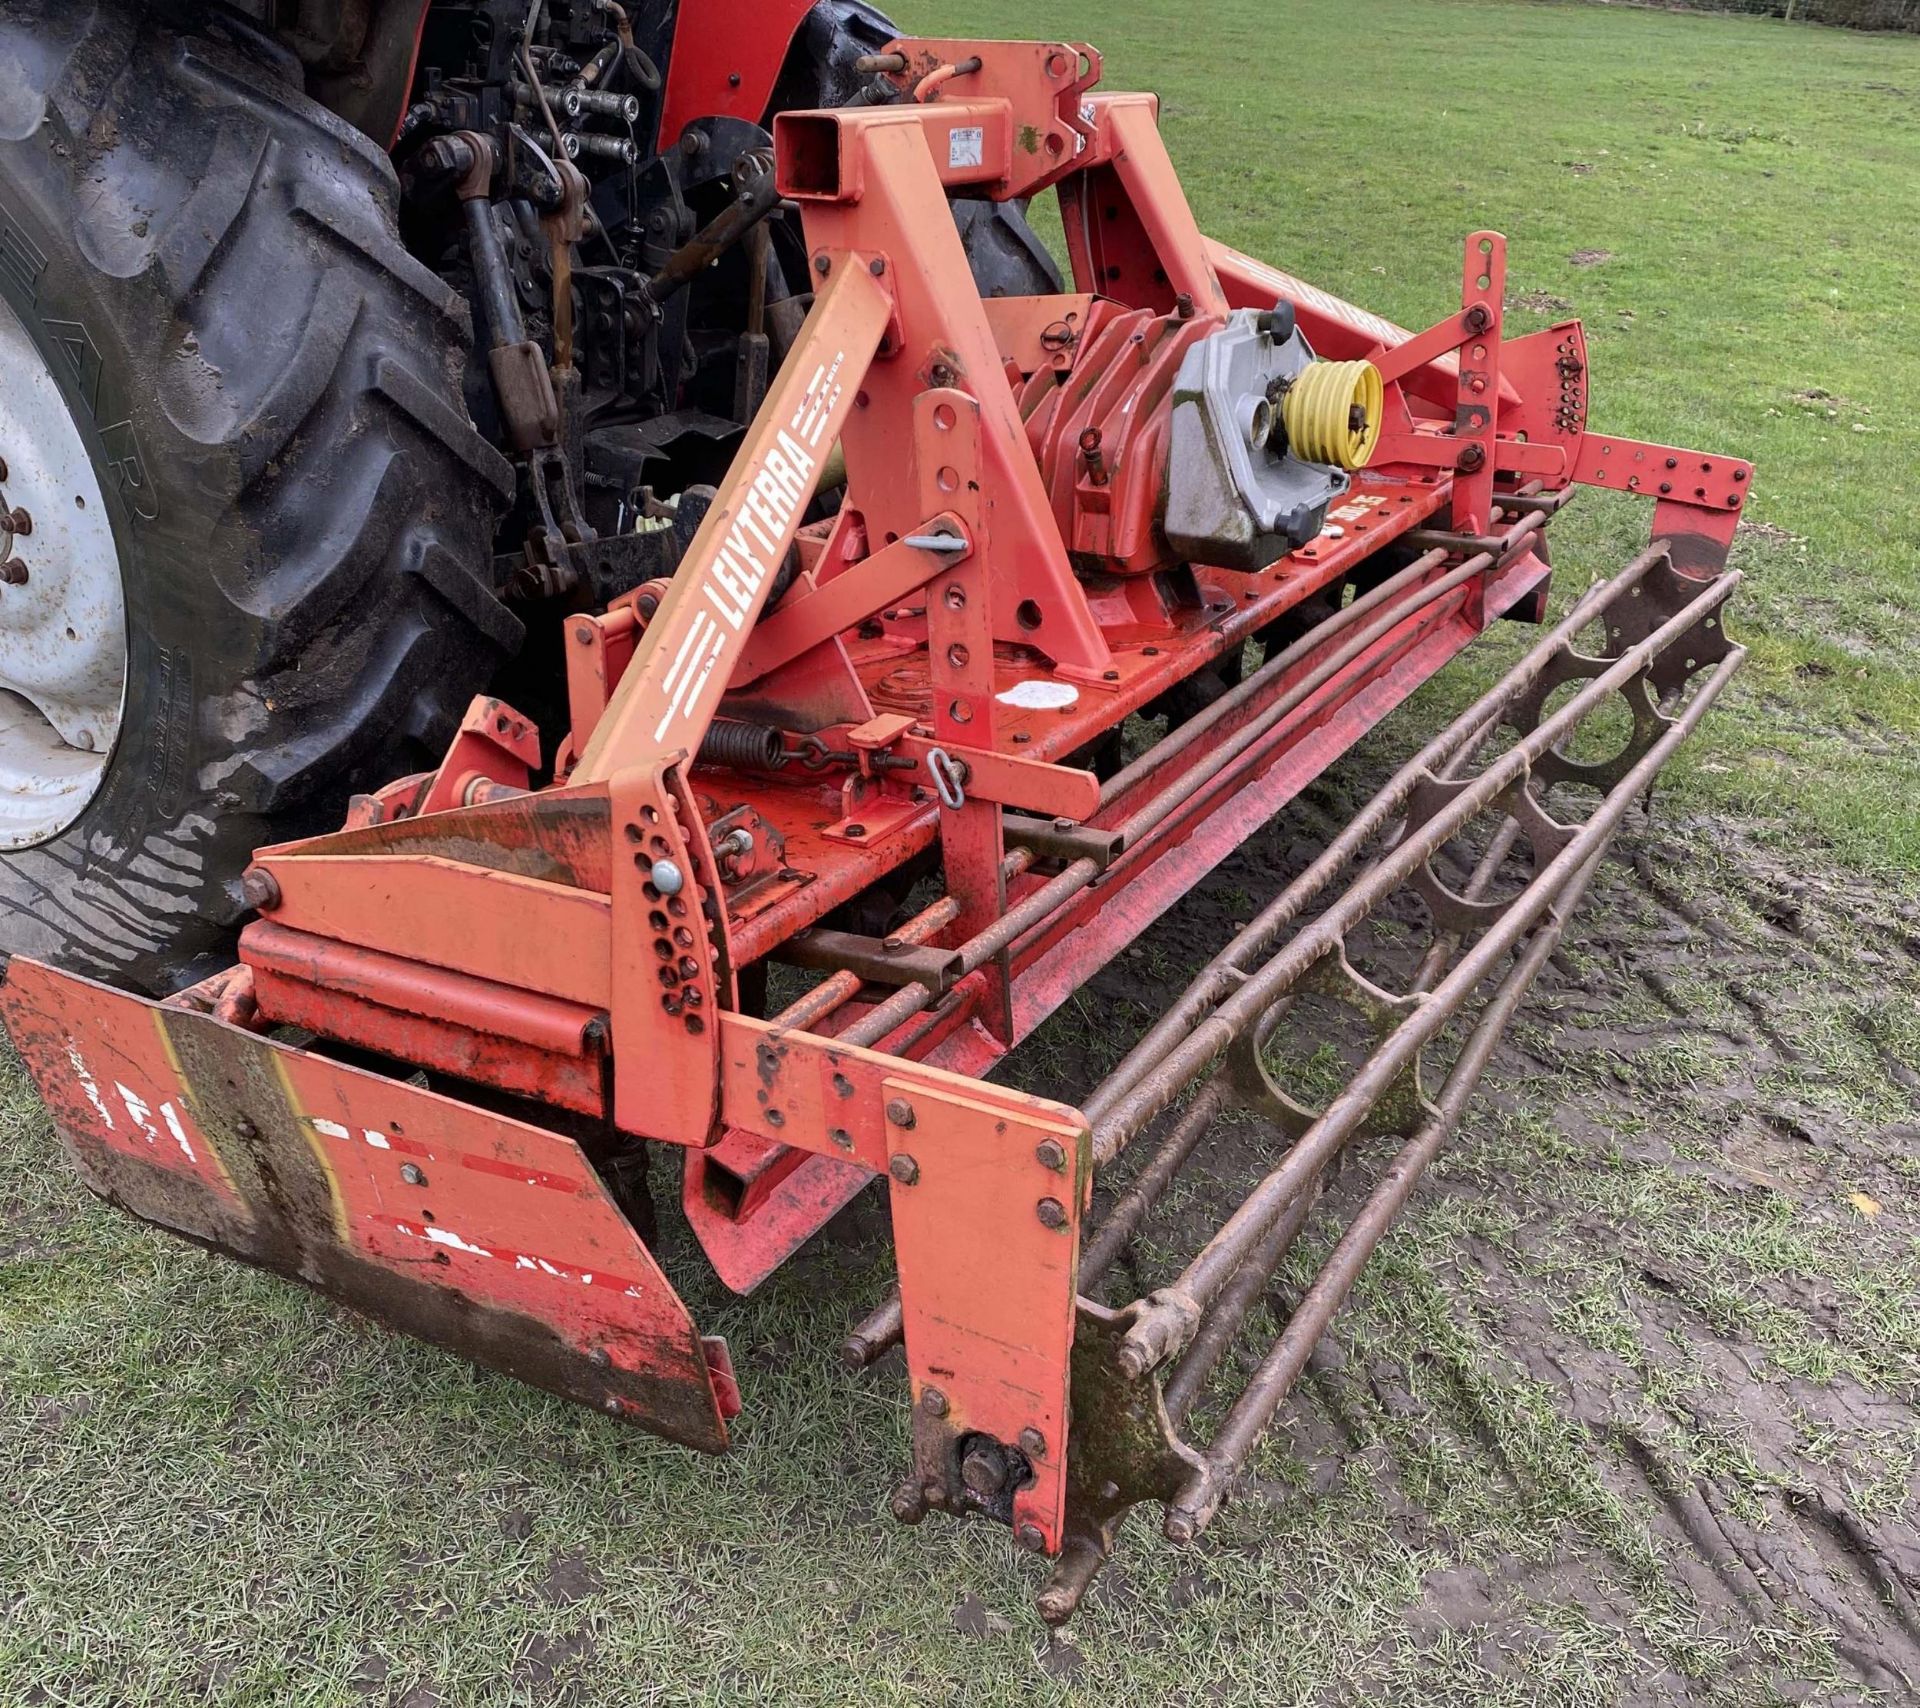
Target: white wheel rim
63,628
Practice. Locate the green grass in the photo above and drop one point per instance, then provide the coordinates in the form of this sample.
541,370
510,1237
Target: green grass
1752,188
217,1488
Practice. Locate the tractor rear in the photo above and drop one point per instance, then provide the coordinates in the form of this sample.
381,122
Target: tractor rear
1009,619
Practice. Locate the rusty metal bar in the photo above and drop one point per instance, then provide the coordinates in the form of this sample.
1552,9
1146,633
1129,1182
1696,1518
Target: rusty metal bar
1277,1373
1133,1206
1218,1332
806,1012
1224,1321
1167,1320
892,961
1223,974
1163,1081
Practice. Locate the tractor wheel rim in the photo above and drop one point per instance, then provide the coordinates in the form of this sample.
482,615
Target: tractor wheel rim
63,623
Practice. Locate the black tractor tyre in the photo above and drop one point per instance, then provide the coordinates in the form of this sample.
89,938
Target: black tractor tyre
268,386
1008,259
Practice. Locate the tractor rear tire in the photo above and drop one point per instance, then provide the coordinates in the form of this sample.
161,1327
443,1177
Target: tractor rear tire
1007,257
206,267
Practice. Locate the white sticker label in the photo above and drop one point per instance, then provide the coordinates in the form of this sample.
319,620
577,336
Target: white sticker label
1039,696
966,146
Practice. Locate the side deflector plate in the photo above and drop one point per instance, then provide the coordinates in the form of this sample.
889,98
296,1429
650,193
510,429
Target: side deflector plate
482,1234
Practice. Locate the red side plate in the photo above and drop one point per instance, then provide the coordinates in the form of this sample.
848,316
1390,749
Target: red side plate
489,1236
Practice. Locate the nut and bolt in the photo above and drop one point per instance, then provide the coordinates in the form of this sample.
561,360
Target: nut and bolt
1033,1443
1031,1539
904,1169
1479,318
1471,457
20,522
933,1402
411,1174
14,572
984,1469
1052,1154
909,1503
1052,1213
900,1112
260,890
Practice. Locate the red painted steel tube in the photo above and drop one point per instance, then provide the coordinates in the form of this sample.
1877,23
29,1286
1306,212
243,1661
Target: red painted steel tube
1036,908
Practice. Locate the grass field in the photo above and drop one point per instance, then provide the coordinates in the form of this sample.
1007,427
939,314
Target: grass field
1626,1411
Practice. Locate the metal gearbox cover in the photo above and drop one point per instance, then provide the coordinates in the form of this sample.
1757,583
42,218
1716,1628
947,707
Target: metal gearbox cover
1236,497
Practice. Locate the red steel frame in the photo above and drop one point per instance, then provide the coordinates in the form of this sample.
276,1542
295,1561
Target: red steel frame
583,945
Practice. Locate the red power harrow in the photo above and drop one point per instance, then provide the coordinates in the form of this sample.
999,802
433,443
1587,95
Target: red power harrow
884,747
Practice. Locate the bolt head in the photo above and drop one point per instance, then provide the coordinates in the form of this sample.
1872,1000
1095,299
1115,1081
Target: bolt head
411,1174
909,1503
900,1112
1033,1443
933,1402
667,878
259,889
21,523
904,1169
1052,1154
984,1470
14,572
1053,1214
1031,1539
1471,457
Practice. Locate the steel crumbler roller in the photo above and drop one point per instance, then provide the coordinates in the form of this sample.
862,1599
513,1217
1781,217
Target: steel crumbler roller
869,727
